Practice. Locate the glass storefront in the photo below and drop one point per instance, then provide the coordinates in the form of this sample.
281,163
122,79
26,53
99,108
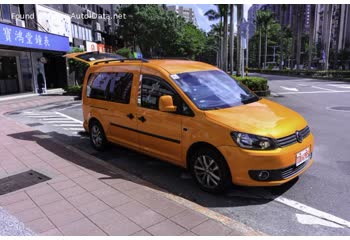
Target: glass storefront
9,82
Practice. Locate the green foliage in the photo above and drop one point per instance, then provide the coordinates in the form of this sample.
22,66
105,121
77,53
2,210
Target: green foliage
336,74
160,33
73,90
256,84
125,52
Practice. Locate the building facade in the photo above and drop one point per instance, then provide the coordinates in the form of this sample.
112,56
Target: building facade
187,13
34,37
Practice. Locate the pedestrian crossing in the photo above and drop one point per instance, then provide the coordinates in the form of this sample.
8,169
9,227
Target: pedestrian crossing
58,119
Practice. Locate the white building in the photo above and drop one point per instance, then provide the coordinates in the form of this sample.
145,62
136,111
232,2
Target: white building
187,13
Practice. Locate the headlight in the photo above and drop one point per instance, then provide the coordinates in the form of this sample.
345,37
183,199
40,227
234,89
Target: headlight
250,141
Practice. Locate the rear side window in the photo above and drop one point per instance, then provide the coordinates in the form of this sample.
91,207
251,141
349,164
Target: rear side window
110,86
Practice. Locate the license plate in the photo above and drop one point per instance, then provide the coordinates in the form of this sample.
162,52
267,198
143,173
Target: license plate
303,156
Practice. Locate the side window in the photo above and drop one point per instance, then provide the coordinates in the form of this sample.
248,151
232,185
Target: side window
120,88
151,90
98,85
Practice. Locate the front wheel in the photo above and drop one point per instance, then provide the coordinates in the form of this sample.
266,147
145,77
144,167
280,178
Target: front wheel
97,136
210,170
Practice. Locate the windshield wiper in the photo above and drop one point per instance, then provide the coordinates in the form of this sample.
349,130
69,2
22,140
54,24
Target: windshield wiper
250,100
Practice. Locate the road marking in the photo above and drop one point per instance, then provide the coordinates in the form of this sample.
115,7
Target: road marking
73,119
67,125
335,91
290,89
311,220
75,129
303,85
75,105
339,86
323,88
54,119
312,211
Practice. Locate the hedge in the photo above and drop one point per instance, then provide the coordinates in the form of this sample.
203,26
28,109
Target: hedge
256,84
339,74
73,90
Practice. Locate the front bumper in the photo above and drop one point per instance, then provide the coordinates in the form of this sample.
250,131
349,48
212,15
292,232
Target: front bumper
245,165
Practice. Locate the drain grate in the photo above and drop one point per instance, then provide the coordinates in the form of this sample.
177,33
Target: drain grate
34,124
341,108
21,180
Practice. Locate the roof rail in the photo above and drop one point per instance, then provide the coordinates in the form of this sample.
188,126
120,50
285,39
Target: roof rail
170,58
121,60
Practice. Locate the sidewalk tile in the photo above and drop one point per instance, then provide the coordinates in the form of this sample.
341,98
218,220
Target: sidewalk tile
83,179
13,198
141,233
47,198
40,225
188,233
211,228
93,207
51,232
30,215
116,199
166,228
126,186
104,192
73,191
189,219
82,227
114,223
163,206
20,206
56,207
92,186
66,217
140,214
40,189
140,194
81,199
63,185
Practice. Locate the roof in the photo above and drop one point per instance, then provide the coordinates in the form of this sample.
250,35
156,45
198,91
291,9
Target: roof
180,66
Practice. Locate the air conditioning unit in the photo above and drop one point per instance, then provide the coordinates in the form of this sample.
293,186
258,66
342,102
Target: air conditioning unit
98,37
20,23
98,26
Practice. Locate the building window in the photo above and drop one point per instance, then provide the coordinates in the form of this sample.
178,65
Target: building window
5,12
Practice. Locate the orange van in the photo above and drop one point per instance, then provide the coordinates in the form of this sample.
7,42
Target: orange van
194,115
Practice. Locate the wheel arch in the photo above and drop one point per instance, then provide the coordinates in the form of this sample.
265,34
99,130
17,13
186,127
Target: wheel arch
197,145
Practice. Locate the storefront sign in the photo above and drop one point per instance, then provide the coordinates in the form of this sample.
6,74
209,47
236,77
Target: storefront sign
54,21
22,37
101,48
91,46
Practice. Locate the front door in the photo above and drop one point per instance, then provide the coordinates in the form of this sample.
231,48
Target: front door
8,75
160,132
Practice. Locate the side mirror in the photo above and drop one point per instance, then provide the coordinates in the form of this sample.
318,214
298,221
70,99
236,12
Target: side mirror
166,104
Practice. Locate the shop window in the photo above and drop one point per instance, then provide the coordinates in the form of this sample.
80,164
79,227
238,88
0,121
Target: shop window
5,12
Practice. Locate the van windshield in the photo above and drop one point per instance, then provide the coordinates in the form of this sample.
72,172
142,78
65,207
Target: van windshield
213,89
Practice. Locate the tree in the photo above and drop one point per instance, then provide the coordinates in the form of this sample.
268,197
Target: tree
232,37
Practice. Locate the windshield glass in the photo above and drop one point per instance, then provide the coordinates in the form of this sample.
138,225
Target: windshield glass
213,89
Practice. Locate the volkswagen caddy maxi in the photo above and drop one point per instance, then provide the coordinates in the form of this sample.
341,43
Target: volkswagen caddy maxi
196,116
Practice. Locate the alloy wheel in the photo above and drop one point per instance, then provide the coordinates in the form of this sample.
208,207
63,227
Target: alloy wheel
207,171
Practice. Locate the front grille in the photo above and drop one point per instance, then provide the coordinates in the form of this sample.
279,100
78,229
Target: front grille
291,139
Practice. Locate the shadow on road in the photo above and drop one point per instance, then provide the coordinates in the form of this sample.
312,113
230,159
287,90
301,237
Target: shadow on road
159,173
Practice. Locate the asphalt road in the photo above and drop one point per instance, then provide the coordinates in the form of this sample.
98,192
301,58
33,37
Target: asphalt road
317,203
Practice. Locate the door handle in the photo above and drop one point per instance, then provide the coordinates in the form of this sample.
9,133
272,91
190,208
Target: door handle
142,119
130,115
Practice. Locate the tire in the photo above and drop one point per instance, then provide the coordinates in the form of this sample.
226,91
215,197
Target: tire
97,136
210,170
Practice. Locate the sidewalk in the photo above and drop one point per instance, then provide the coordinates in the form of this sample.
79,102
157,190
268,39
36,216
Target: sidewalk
86,196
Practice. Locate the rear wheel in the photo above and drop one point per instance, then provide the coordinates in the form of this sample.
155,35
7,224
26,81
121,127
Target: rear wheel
210,170
97,136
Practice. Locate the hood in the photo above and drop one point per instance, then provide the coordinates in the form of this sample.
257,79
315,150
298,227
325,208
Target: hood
264,118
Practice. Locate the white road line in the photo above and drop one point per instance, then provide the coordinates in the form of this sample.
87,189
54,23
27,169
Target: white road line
312,211
54,119
68,125
336,91
62,122
74,129
290,89
75,105
64,115
323,88
312,220
339,86
42,116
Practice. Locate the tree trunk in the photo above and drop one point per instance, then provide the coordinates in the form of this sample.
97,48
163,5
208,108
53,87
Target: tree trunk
311,34
265,59
260,48
225,40
239,46
232,37
221,45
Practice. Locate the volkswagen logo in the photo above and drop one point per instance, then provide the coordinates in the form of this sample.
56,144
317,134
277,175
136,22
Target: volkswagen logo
299,136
